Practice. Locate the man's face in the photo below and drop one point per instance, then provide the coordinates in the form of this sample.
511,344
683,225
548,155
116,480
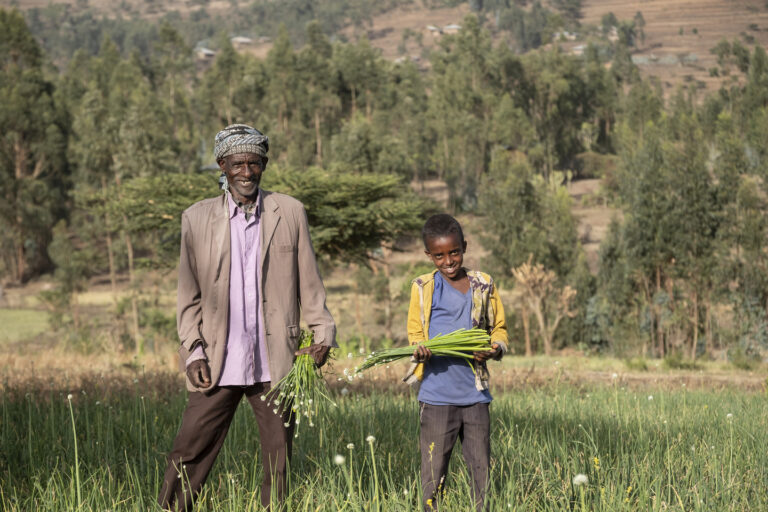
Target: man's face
447,253
243,171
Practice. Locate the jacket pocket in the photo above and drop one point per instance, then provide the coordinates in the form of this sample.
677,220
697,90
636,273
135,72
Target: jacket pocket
285,248
293,334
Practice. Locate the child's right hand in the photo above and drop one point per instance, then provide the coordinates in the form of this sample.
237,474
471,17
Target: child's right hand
422,353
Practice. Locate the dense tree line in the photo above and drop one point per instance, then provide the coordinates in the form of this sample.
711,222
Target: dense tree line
99,158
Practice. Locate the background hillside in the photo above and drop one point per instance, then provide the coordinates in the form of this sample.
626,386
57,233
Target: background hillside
677,39
616,147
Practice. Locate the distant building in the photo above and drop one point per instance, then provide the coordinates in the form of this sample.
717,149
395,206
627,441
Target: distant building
613,34
578,50
451,29
240,41
564,36
405,58
204,53
434,29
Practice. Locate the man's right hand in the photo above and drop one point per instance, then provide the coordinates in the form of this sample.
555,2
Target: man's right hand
199,373
422,353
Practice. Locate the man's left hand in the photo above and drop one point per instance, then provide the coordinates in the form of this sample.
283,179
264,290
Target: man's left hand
318,352
485,355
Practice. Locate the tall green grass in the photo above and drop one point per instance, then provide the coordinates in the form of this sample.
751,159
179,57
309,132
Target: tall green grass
656,450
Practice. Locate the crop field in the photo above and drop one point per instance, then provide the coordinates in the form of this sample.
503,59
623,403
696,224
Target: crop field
100,445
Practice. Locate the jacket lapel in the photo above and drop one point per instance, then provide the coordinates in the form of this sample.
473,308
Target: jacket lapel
220,237
270,216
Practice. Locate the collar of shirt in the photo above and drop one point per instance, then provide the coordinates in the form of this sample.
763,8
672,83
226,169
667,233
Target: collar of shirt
234,207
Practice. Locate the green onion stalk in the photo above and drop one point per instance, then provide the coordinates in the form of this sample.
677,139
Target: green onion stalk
302,390
460,343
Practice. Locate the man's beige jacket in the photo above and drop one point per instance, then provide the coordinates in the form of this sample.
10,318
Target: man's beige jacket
290,282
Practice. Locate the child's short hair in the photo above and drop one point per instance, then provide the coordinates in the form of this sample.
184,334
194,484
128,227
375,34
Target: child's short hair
438,225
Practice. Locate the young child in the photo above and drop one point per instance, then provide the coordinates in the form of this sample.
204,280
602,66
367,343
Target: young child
453,399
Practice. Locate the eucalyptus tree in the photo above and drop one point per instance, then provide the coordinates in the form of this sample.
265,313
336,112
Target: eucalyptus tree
461,109
33,148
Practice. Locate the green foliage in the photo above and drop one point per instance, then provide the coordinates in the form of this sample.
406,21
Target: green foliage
460,109
557,103
33,137
571,9
159,326
744,358
638,364
595,165
151,206
676,361
537,221
350,214
412,271
357,148
73,267
529,28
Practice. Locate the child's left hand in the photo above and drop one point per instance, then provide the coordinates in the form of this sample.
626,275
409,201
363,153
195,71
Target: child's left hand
485,355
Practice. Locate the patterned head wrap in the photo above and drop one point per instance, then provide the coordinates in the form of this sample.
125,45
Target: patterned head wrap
240,138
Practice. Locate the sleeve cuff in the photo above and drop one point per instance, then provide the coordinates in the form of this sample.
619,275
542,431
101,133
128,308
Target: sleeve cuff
197,354
503,347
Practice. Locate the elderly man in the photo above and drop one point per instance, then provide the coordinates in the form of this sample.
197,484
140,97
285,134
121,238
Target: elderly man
246,269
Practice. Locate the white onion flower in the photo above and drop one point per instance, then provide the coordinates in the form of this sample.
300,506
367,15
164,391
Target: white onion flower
580,479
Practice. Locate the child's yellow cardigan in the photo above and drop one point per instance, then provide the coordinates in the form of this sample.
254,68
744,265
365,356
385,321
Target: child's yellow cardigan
487,313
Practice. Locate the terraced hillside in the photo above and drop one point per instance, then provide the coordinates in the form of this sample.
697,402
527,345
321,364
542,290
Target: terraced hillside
680,33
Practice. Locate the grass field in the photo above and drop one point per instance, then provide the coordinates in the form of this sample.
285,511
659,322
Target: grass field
20,324
670,449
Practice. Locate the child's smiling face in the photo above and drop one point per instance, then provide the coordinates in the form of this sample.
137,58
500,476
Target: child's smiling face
447,253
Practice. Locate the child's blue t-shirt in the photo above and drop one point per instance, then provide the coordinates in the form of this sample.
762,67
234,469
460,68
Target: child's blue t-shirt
450,380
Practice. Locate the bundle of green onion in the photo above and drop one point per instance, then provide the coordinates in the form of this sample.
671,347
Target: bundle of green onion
302,389
459,343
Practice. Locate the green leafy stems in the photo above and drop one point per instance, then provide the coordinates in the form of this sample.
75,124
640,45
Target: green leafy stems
302,390
460,343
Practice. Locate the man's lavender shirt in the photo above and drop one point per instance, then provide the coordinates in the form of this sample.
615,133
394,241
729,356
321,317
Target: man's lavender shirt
245,362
